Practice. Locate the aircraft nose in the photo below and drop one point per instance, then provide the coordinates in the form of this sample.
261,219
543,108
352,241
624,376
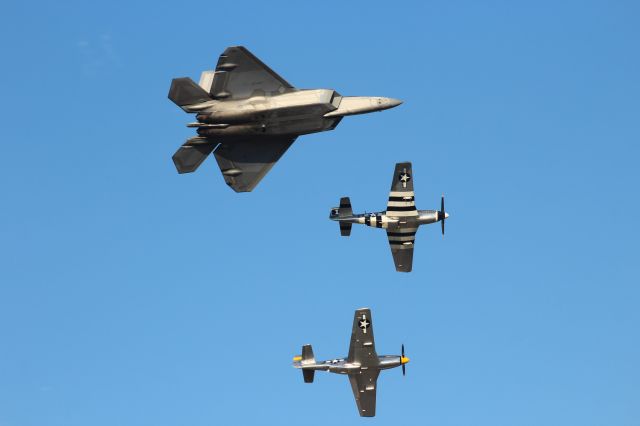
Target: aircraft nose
404,360
446,215
390,102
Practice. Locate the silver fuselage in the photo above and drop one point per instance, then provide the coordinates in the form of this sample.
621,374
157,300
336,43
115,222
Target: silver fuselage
295,112
382,220
341,366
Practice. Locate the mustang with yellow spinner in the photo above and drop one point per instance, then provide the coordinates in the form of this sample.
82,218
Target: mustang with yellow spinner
362,365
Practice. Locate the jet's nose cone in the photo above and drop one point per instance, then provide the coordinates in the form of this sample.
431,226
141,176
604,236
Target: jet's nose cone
352,105
386,103
394,102
446,215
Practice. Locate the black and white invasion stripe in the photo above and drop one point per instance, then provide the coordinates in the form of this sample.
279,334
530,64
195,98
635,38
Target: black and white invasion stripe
401,203
402,238
374,220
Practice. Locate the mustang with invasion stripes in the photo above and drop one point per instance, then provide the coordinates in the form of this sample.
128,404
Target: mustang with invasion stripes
401,219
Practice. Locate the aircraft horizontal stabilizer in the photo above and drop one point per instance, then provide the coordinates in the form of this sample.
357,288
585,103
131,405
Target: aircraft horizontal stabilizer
344,211
307,355
308,375
306,362
185,91
192,153
345,229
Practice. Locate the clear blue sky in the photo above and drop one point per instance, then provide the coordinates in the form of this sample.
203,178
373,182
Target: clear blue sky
131,295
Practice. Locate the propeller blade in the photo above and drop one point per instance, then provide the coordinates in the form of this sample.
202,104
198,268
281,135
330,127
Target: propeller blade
404,372
442,214
403,366
402,350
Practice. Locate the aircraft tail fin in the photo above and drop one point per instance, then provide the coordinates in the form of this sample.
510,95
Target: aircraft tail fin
307,358
184,92
341,212
308,375
306,362
345,229
345,207
307,355
206,80
192,153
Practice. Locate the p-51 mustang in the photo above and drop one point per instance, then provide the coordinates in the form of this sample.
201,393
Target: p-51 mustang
248,116
362,365
401,219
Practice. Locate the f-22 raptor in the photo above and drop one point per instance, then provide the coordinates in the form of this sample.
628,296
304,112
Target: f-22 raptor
401,219
362,365
248,116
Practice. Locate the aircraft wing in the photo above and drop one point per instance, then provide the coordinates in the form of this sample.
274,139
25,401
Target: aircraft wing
402,205
402,201
244,163
239,74
363,386
401,243
362,348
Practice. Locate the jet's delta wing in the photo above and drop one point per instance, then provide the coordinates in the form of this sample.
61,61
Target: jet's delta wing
245,163
239,74
402,205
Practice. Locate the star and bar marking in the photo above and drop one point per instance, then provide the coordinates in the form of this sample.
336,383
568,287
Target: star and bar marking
364,324
404,177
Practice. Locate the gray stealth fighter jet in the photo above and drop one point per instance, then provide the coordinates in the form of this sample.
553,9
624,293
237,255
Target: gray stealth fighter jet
362,365
248,116
401,219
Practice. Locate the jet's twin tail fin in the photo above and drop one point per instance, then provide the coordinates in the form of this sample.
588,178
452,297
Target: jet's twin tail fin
206,80
344,211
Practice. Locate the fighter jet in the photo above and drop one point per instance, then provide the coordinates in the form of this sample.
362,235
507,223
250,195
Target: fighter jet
248,116
401,219
362,365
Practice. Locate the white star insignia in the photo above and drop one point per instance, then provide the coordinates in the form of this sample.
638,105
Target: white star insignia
364,324
404,178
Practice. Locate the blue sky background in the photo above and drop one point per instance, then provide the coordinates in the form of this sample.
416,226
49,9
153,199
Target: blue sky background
131,295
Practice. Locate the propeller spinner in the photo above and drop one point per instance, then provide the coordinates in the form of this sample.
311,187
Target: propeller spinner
403,360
